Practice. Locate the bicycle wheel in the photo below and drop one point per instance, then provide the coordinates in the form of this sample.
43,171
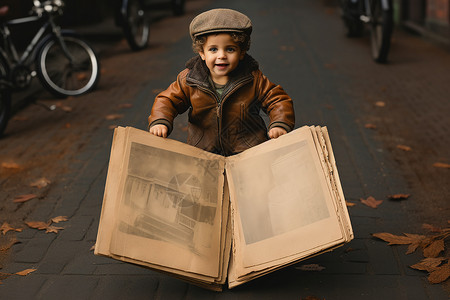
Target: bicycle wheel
381,27
63,76
136,25
5,97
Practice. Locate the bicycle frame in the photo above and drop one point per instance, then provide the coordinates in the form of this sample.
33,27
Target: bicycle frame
10,51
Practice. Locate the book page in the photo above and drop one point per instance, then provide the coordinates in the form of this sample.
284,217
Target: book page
283,207
169,206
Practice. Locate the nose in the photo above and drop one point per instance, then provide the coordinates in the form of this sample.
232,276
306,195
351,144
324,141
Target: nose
222,54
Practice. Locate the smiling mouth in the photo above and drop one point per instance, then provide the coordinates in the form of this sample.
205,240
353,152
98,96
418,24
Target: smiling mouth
221,65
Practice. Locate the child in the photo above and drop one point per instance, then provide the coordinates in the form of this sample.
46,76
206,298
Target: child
223,89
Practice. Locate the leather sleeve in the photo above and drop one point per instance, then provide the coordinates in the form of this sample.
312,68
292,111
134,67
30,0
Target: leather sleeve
170,103
276,103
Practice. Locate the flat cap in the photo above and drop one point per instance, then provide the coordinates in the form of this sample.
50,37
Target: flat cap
220,20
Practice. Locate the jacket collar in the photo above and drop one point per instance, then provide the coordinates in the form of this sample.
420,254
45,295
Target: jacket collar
198,71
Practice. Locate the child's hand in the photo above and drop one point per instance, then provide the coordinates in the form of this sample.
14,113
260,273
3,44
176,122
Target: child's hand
276,132
159,130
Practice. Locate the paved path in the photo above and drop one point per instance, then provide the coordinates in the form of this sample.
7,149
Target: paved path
300,45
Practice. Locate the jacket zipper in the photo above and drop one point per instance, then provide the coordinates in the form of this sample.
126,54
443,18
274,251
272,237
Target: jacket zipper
236,86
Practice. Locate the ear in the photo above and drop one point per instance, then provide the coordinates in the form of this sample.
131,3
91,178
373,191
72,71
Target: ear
202,55
241,57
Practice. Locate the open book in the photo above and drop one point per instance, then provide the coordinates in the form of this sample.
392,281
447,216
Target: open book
212,220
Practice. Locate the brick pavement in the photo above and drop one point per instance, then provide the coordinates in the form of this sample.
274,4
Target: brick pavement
333,82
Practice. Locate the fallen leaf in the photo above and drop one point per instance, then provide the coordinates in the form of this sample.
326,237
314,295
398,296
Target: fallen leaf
287,48
82,76
6,227
434,248
371,202
157,91
349,204
431,228
40,183
380,104
24,198
393,239
10,165
404,147
440,274
428,264
416,241
441,165
25,272
53,229
310,267
7,242
125,105
59,219
370,126
399,197
114,116
20,118
37,225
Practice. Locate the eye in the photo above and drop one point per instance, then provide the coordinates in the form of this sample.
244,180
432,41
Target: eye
231,49
212,49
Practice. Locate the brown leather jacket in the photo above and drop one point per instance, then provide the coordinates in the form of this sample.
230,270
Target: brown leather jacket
230,123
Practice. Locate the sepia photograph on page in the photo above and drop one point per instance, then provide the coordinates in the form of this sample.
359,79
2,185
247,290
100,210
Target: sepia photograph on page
284,208
170,202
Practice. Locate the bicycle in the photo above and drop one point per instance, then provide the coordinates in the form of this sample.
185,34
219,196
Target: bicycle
133,17
378,14
65,64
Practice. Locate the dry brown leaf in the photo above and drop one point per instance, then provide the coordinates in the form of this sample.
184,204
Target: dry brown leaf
82,76
370,126
6,227
434,248
20,118
349,204
404,147
431,228
37,225
157,91
428,264
125,105
380,104
59,219
399,197
53,229
114,117
7,242
310,267
371,202
10,165
393,239
441,165
24,198
40,183
441,274
287,48
25,272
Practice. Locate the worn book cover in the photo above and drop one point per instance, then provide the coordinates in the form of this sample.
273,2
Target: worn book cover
212,220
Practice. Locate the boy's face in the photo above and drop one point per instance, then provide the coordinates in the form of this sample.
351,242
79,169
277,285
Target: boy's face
221,55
